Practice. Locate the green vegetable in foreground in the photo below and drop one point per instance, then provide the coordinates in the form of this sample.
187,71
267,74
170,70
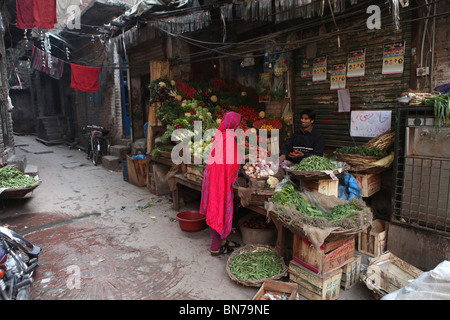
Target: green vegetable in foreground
257,265
11,177
314,163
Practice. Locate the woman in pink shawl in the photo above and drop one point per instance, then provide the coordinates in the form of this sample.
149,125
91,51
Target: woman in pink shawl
217,190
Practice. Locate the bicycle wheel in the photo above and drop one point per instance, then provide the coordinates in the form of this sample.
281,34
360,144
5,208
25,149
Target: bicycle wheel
96,152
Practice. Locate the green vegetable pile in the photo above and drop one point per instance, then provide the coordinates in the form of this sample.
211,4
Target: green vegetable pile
11,177
291,197
257,265
343,215
441,106
314,163
362,151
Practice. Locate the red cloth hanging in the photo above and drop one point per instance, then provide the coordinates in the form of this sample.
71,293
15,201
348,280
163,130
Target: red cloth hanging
25,18
84,78
44,14
36,13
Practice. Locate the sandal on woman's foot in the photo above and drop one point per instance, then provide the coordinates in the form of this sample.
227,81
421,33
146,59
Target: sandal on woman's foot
231,244
222,250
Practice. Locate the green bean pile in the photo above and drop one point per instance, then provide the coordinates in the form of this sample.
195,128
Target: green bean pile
314,163
289,196
11,177
258,265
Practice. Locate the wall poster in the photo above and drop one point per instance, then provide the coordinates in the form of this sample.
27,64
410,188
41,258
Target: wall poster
393,57
320,69
337,76
356,63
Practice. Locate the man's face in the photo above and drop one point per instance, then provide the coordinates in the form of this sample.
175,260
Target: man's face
306,122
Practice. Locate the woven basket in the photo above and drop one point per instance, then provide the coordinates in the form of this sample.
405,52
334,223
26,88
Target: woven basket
355,159
254,248
316,175
384,141
17,193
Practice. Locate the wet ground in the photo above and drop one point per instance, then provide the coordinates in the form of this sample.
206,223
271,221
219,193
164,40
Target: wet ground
103,238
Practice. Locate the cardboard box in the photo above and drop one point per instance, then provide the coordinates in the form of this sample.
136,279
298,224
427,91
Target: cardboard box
328,187
351,272
313,286
331,256
276,288
373,240
368,183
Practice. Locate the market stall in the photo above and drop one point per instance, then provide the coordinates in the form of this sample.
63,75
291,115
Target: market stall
303,198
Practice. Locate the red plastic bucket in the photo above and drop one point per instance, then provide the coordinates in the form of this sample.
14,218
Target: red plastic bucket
191,220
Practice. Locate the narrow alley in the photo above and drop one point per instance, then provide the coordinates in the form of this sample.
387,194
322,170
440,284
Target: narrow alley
103,238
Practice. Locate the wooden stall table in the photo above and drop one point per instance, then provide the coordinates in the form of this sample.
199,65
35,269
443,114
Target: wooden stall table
180,181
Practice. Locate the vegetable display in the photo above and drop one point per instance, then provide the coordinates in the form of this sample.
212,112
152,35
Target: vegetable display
11,177
314,163
441,106
257,265
362,151
288,196
260,169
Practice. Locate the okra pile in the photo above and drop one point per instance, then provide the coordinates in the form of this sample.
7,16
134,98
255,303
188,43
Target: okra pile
257,265
11,177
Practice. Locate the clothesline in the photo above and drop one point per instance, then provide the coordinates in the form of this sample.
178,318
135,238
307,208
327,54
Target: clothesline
83,78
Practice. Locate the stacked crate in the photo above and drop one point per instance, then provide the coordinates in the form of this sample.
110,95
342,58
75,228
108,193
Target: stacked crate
320,273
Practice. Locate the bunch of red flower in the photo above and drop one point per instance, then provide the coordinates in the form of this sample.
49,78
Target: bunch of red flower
218,83
188,91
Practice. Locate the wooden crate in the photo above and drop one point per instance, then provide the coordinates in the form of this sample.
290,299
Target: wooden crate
351,272
331,256
137,171
368,183
313,286
277,287
195,169
194,177
388,273
328,187
373,240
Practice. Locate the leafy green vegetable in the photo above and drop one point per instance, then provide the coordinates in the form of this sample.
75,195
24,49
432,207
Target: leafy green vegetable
362,151
314,163
11,177
441,106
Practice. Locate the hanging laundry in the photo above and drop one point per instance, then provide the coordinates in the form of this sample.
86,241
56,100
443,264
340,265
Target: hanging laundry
56,68
84,78
36,13
37,59
50,65
44,14
25,17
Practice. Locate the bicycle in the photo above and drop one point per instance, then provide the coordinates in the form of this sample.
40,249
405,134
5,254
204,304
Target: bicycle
98,145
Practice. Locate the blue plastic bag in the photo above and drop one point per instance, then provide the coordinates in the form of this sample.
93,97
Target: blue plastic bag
348,187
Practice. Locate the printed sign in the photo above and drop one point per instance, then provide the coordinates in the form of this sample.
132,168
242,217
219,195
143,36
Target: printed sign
356,63
337,76
393,57
320,69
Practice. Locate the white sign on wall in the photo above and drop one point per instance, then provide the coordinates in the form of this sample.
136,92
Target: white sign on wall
370,123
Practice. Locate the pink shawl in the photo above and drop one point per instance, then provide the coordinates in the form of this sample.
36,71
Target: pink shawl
220,175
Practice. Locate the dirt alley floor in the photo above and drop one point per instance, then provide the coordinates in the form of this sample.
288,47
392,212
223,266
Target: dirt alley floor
103,238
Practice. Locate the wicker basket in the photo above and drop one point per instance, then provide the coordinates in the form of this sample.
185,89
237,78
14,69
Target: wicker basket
254,248
355,159
17,193
316,175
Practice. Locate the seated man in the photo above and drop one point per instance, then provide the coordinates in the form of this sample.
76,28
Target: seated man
305,142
